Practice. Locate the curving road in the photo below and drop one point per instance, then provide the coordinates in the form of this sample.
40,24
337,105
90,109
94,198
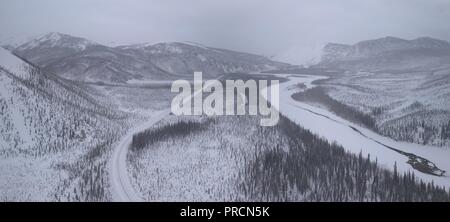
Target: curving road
122,190
121,187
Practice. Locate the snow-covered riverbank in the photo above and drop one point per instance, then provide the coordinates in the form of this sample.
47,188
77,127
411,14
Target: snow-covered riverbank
355,138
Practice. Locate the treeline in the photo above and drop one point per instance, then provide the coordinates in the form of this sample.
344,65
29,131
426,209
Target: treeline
445,131
280,163
307,168
88,179
415,129
318,95
165,132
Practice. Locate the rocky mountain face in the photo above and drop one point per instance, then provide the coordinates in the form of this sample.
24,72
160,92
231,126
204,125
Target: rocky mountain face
83,60
387,53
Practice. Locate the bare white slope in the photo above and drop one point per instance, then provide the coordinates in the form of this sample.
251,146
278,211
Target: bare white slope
13,64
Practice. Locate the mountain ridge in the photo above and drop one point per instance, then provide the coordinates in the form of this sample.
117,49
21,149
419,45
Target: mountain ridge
388,52
83,60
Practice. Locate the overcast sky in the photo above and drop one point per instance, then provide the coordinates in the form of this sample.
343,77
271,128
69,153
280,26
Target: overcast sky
260,26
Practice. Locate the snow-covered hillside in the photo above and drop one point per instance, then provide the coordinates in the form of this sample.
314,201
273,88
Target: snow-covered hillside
186,57
407,106
49,129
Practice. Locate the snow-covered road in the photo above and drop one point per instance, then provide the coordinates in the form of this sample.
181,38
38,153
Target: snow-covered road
121,187
355,138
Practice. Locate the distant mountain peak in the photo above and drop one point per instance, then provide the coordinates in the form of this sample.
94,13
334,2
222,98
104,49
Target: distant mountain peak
54,36
429,42
388,50
82,60
195,44
135,46
386,43
336,45
57,39
393,38
427,38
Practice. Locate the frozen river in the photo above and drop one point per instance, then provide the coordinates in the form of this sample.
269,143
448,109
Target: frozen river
427,162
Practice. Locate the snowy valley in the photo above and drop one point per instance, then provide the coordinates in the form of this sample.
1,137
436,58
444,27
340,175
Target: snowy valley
82,121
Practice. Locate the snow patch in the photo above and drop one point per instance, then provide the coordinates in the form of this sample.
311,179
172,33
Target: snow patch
13,64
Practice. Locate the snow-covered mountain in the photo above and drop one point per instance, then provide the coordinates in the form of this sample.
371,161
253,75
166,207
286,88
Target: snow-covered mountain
103,64
387,53
45,48
83,60
12,42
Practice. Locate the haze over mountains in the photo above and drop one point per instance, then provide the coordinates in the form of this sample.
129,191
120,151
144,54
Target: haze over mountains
66,130
84,60
80,59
